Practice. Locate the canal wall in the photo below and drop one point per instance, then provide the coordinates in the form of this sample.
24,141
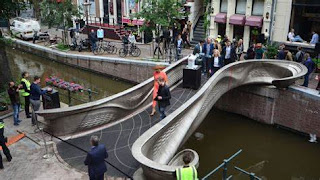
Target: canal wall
135,71
296,108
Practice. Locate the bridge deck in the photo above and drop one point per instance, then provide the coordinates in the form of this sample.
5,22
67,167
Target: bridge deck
120,138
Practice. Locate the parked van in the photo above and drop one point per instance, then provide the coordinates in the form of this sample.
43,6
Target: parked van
24,28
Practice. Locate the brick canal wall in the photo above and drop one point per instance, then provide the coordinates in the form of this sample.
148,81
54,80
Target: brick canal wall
135,71
296,108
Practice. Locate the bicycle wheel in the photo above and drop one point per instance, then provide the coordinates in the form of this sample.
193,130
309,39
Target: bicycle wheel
122,52
136,52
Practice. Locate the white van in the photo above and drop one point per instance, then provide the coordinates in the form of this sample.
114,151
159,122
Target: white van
24,28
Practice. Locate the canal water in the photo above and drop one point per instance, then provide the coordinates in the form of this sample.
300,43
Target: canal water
102,85
270,152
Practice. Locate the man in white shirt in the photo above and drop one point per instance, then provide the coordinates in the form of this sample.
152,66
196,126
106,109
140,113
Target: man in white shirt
100,34
294,38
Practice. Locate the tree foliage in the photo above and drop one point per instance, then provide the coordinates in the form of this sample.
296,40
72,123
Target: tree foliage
161,12
59,14
9,9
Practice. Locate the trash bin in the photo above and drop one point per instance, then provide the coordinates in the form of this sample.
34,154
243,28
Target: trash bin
51,99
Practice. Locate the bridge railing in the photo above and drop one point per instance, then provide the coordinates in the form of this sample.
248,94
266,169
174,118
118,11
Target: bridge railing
99,114
158,146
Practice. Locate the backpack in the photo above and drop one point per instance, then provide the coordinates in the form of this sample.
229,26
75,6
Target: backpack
300,58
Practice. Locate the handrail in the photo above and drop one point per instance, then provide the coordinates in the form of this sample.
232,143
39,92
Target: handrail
251,175
224,165
196,19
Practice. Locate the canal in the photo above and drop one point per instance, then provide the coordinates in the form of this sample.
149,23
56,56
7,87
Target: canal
102,85
270,152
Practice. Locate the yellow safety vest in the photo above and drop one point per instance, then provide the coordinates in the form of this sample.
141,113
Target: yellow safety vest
1,125
187,173
28,84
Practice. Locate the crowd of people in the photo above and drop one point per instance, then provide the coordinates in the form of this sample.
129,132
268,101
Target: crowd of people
216,53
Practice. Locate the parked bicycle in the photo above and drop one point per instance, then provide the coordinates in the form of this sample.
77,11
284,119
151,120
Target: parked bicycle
110,48
51,41
133,50
99,49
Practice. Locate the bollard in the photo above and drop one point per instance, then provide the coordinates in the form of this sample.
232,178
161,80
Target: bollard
90,95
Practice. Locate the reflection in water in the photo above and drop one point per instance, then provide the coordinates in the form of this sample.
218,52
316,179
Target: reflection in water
270,152
21,61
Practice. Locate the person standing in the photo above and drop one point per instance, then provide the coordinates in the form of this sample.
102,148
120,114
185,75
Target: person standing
187,172
281,54
157,45
35,36
13,92
216,63
259,52
25,92
166,36
198,49
315,38
229,53
35,93
310,66
300,55
163,97
132,39
95,159
100,34
184,37
178,44
157,73
207,50
93,40
3,141
250,52
175,32
239,49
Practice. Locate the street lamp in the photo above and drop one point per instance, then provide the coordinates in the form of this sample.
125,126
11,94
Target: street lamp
86,5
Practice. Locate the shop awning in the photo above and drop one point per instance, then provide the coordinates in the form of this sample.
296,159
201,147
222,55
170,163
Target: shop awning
237,19
255,21
220,18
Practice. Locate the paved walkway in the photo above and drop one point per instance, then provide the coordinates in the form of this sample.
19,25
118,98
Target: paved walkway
27,162
120,138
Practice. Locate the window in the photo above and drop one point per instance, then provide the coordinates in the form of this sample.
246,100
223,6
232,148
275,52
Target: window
224,6
241,6
258,7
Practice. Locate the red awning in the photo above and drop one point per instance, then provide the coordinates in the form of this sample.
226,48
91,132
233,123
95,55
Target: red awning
237,19
255,21
221,18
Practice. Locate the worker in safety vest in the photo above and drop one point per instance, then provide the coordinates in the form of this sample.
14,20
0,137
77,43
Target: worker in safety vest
25,92
187,172
3,141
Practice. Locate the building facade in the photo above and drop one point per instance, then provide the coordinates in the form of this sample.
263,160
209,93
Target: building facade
255,20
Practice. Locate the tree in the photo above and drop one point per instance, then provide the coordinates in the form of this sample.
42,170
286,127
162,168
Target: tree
9,9
161,12
59,14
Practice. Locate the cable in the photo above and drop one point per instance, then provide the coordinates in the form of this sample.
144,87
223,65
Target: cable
87,152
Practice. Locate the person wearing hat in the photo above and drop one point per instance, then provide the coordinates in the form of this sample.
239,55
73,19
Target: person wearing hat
3,141
157,73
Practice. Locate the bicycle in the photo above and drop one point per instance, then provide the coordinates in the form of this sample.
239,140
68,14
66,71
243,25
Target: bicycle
133,51
110,48
99,48
50,41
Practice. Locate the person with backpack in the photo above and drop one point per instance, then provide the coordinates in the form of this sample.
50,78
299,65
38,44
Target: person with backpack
300,55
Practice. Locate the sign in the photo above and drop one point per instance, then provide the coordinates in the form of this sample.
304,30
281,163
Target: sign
137,22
